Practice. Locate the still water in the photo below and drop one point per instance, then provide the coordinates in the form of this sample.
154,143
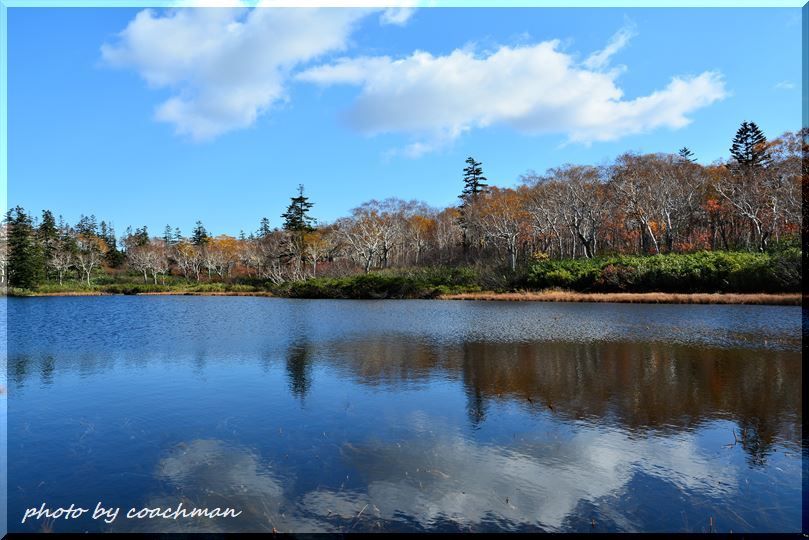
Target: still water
310,415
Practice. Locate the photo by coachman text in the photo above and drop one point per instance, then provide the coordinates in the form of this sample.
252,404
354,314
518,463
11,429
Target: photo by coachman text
109,515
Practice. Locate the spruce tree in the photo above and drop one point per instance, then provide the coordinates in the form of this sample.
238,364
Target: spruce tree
199,236
113,256
48,237
297,218
168,235
474,185
24,255
687,154
141,236
473,180
749,148
264,228
87,225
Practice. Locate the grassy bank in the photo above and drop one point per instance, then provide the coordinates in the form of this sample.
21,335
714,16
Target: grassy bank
74,288
398,284
701,272
679,278
783,299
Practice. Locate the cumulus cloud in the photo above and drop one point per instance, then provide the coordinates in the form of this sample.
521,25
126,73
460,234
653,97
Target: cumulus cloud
439,475
225,66
447,477
534,88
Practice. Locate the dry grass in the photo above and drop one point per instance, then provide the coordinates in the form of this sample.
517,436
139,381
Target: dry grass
791,299
787,299
161,293
73,293
212,293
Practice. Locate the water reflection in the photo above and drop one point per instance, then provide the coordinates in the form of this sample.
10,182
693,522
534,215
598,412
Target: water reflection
639,386
207,473
299,368
445,482
517,418
539,483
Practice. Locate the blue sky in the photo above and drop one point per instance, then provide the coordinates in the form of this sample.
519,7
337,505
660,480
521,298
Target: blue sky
220,116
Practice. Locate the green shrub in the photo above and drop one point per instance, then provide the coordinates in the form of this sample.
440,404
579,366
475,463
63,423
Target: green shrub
704,271
418,283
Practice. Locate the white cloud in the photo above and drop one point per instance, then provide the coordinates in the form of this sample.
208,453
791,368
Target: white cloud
396,16
785,85
617,42
447,477
534,88
225,66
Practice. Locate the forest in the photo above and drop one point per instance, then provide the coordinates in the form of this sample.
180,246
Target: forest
644,222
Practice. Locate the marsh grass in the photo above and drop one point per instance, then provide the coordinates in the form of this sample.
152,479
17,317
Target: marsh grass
786,299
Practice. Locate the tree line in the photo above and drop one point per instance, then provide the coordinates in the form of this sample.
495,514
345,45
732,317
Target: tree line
638,204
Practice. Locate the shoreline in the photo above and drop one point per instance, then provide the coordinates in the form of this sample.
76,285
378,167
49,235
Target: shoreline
160,293
779,299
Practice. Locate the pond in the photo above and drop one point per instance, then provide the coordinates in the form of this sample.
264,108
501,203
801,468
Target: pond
329,415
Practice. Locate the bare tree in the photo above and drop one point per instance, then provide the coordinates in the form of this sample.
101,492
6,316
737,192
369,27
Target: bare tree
583,205
502,217
158,259
89,253
189,258
362,234
62,259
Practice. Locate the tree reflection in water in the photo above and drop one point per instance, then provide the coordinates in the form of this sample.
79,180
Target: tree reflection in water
640,387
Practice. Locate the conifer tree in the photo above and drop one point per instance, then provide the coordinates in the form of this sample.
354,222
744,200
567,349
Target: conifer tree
113,256
24,256
87,225
141,236
749,148
687,154
47,236
168,236
474,185
264,228
297,218
473,180
199,236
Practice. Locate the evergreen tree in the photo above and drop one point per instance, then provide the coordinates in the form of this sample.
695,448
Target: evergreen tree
114,257
87,225
473,180
141,236
474,185
178,236
199,236
687,154
264,228
168,235
749,148
297,218
48,237
24,256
